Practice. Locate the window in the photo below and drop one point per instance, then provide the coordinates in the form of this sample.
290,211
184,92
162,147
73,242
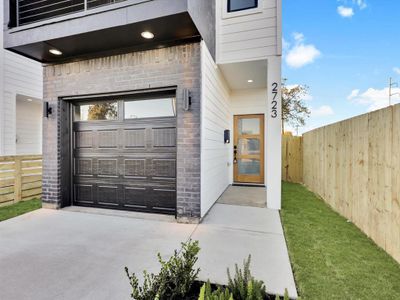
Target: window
153,108
96,111
238,5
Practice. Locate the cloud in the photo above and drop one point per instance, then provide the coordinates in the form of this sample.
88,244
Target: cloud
349,7
362,4
345,12
396,70
374,98
323,111
301,54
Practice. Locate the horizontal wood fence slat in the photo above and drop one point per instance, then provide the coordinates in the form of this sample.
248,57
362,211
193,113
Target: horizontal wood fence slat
20,178
354,165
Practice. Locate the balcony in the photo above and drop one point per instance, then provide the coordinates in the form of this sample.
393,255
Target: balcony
82,29
30,11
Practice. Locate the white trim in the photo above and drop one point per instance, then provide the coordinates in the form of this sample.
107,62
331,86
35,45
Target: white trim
279,27
245,12
273,139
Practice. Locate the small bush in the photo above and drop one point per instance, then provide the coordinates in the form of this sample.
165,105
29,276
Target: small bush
175,279
285,297
243,286
206,293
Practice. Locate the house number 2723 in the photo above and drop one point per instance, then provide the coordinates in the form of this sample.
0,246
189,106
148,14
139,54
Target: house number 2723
274,103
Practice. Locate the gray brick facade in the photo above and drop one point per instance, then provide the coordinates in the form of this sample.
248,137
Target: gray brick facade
175,66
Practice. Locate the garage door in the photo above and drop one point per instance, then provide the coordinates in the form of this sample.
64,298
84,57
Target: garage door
124,154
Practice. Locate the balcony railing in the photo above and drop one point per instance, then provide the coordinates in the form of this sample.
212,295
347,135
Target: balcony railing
30,11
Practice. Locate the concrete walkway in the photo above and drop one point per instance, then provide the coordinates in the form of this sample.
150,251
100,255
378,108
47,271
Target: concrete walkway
50,254
244,196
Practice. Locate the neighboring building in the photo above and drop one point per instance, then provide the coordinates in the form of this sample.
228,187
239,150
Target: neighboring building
142,93
21,92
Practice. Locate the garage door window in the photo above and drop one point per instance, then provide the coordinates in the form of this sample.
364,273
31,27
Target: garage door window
96,111
152,108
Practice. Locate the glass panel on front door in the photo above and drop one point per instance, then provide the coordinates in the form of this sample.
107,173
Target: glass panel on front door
249,149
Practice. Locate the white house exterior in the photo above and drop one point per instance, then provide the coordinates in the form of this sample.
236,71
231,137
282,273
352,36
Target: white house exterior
21,92
241,82
156,106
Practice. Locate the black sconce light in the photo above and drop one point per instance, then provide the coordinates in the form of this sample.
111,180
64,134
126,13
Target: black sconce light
47,109
187,99
227,136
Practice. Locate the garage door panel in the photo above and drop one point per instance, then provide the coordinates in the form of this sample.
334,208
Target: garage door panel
126,164
164,168
164,137
107,167
135,197
107,195
163,199
83,193
83,167
83,139
134,138
134,168
107,139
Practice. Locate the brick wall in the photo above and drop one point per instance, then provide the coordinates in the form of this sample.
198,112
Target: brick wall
179,65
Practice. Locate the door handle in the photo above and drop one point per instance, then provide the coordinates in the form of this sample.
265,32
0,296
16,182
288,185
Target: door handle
234,154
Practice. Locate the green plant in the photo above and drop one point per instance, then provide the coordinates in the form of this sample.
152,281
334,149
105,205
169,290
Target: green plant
206,293
174,280
285,296
243,286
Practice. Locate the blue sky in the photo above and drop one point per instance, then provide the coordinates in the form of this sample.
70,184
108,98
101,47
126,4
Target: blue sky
345,51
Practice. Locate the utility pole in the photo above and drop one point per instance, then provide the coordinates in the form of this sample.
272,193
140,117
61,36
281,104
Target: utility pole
391,86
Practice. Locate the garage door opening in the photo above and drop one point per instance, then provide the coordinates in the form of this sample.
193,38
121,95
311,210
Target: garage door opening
124,153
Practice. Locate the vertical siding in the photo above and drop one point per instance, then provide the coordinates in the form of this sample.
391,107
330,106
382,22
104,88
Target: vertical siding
248,36
216,116
21,76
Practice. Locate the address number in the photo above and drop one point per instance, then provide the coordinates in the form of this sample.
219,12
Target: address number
274,103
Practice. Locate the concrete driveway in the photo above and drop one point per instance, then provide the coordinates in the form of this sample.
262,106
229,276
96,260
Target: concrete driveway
66,254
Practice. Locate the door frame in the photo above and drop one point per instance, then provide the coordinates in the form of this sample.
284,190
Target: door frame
68,103
249,179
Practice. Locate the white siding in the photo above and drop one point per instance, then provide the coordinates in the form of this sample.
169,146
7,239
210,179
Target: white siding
29,127
216,116
248,35
20,76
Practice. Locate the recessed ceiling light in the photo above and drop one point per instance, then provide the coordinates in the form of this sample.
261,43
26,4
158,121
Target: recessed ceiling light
55,51
29,100
147,35
250,81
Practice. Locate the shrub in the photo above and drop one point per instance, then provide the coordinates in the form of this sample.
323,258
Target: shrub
285,296
174,280
206,293
243,286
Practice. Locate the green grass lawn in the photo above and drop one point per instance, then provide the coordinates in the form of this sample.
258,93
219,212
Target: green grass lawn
332,258
11,211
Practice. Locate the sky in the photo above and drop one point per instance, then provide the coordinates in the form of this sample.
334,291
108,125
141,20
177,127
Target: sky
345,51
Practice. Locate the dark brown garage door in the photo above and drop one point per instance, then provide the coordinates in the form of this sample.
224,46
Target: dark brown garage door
124,154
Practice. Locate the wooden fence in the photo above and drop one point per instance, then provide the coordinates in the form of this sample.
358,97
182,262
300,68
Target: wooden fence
292,158
354,166
20,178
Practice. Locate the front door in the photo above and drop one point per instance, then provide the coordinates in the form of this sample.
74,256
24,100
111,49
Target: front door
249,149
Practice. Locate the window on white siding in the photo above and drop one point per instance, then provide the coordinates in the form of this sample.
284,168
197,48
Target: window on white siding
238,5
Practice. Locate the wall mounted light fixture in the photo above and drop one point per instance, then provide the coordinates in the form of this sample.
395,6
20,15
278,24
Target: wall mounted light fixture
187,99
227,136
47,109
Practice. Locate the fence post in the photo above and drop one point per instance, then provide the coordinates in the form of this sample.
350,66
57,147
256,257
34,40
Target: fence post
18,179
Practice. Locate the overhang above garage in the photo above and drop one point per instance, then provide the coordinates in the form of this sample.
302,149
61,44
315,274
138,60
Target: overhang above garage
110,29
